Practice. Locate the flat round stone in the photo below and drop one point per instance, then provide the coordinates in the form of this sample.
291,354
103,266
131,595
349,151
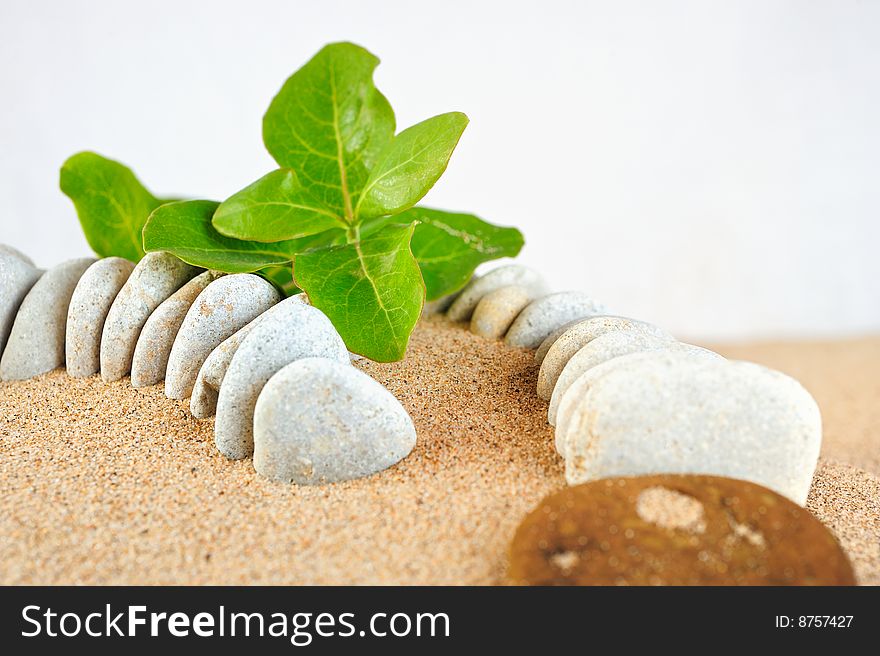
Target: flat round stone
150,360
17,276
292,332
227,305
203,402
36,341
543,316
606,347
569,404
504,276
579,335
318,421
679,415
89,305
496,311
156,277
674,530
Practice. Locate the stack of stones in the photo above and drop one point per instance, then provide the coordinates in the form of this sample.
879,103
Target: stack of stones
627,399
275,372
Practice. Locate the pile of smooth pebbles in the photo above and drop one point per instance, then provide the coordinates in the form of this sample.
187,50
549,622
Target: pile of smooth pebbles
275,372
628,400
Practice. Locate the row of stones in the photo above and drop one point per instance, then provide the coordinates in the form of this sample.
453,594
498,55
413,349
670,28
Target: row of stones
275,372
627,399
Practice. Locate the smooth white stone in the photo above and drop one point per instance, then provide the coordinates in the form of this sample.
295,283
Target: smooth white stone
36,341
226,306
543,316
607,347
297,331
203,402
504,276
676,415
89,305
568,403
150,360
579,335
156,277
17,276
318,421
497,310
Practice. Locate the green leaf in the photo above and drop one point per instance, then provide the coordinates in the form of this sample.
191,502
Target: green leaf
410,165
329,123
371,290
282,277
111,203
184,229
274,208
449,246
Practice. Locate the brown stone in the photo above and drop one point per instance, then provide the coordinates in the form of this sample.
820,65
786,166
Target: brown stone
674,530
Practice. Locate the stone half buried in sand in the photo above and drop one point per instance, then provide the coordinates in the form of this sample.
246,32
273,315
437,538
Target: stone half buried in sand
577,335
674,530
319,421
150,360
226,306
497,310
569,405
607,347
543,316
504,276
673,413
156,277
36,342
89,305
203,402
293,331
17,275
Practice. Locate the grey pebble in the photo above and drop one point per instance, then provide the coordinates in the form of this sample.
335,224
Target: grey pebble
497,310
677,415
606,347
6,249
543,316
203,401
568,403
292,332
17,276
578,335
510,274
226,306
89,305
549,340
318,421
156,277
150,359
36,341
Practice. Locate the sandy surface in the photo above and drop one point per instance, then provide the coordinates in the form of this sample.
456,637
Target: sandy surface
104,484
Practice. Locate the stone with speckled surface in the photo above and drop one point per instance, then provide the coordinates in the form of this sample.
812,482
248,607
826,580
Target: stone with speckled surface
150,360
89,305
543,316
36,341
318,421
607,347
17,275
292,332
672,413
579,335
504,276
227,305
156,277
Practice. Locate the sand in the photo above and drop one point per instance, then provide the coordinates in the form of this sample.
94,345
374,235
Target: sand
104,484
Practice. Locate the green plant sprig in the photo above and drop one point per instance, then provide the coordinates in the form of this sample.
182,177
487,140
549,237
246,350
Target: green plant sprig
337,219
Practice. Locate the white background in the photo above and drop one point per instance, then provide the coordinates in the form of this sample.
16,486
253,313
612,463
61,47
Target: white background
711,166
